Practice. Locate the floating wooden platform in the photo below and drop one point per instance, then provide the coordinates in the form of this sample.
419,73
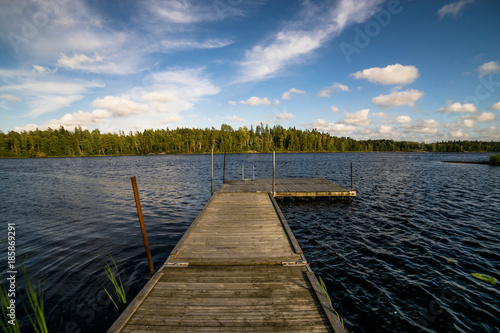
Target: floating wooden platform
295,187
238,268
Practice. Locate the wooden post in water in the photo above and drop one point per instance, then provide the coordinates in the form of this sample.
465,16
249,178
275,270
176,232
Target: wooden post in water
212,174
224,167
253,172
352,181
274,173
141,221
242,172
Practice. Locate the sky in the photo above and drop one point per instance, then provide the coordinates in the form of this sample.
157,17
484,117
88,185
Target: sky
424,71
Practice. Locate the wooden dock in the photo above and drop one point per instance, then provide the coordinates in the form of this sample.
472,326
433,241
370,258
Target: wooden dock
295,187
238,268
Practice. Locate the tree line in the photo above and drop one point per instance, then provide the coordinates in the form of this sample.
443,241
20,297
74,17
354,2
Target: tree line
82,142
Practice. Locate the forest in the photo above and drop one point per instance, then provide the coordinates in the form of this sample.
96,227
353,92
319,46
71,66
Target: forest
82,142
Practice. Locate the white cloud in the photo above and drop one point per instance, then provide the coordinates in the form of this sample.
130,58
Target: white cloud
120,106
256,101
398,98
11,98
359,118
334,108
392,74
235,118
71,120
49,96
458,107
232,102
495,106
403,119
481,117
326,92
424,126
181,12
488,68
78,61
385,129
380,115
42,70
318,23
183,44
156,96
334,129
286,94
282,116
453,8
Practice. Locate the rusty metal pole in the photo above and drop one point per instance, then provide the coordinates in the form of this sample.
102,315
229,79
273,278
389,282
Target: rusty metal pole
224,167
274,172
352,181
212,177
141,221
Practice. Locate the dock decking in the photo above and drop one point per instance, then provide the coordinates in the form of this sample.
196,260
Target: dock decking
295,187
238,268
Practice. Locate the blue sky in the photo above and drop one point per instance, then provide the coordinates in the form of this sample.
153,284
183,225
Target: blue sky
367,69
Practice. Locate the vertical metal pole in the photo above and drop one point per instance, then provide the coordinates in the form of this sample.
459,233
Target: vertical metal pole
212,174
242,172
253,172
141,221
352,181
274,172
224,167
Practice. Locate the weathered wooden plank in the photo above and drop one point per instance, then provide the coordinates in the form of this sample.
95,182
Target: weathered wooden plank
134,305
235,280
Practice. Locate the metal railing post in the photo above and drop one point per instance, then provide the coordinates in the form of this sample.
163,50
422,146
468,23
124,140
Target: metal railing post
274,173
212,174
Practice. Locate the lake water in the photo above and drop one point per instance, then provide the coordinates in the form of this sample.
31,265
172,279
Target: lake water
398,258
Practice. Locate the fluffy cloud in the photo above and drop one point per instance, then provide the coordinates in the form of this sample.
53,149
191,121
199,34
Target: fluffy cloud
45,96
398,98
42,70
77,61
11,98
289,46
380,115
359,118
488,68
453,8
232,102
332,128
403,119
334,108
495,106
156,96
392,74
424,126
481,117
235,118
282,116
326,92
286,94
71,120
457,107
258,101
120,106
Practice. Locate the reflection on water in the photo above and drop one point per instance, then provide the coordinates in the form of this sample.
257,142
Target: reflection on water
398,258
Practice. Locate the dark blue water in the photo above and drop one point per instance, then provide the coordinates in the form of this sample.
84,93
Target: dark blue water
398,258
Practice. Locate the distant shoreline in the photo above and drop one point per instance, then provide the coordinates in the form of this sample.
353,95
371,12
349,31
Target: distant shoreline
277,152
